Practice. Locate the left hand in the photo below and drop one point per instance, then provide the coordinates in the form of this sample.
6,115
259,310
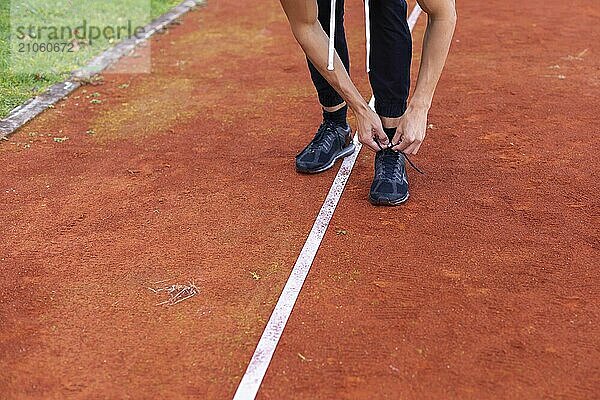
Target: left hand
411,130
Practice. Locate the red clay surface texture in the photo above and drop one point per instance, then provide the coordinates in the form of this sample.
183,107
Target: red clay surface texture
484,286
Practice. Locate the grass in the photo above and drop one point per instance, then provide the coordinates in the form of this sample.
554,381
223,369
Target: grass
17,84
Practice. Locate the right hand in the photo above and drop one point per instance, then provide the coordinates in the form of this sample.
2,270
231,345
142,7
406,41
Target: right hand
369,127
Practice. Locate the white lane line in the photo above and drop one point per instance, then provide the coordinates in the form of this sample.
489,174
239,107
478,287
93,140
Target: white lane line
257,368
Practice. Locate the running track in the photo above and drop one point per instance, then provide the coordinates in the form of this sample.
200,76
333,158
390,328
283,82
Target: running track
484,285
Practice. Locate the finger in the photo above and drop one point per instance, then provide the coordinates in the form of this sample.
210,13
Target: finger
370,143
383,139
410,149
414,146
417,149
404,144
382,143
380,146
397,138
381,136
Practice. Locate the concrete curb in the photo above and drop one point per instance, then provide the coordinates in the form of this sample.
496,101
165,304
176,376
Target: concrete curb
35,106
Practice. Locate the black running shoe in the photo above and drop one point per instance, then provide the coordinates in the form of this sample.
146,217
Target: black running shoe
390,185
331,143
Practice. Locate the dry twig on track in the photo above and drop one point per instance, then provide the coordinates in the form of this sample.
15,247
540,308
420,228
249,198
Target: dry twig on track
177,293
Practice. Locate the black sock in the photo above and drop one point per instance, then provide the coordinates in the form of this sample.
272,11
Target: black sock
339,116
390,132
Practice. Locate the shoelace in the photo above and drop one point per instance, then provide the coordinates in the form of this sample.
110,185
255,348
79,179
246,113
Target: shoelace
388,164
390,147
321,136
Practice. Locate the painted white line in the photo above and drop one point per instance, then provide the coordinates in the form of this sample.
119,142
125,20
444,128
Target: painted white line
259,363
257,368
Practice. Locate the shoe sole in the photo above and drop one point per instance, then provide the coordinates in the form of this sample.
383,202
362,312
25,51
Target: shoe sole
348,150
389,202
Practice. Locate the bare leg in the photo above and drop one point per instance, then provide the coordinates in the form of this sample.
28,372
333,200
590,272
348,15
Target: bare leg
334,108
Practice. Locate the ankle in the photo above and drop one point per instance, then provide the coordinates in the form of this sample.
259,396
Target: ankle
339,116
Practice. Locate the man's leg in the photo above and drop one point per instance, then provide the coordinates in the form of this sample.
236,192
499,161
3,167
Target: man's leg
332,140
328,97
391,54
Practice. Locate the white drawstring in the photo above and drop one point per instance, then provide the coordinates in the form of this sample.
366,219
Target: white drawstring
368,34
331,37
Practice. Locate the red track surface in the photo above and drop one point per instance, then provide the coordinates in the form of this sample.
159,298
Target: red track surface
485,285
